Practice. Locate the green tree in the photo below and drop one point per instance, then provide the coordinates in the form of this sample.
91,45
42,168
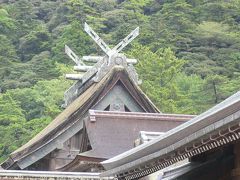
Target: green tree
192,96
212,85
7,24
157,71
35,42
73,36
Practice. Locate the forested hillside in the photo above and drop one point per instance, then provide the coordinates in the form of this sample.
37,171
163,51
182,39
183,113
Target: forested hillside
188,52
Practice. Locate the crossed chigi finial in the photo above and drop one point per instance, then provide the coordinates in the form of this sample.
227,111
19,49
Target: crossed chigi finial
112,56
94,68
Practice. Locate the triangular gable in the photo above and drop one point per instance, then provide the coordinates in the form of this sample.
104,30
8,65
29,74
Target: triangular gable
119,98
70,121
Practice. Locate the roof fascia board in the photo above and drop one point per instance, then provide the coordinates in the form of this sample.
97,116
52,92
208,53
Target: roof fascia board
50,146
49,174
141,115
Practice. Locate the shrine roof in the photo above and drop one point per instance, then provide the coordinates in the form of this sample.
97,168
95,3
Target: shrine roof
214,128
71,115
111,133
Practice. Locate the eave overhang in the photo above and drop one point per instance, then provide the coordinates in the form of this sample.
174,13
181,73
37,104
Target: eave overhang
49,175
216,127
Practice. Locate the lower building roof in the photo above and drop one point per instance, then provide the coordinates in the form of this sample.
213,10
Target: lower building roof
111,132
216,127
36,175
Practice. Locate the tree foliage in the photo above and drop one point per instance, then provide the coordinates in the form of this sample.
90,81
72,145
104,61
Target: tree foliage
188,52
157,71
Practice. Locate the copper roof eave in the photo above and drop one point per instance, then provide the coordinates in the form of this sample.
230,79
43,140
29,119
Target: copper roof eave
38,148
217,117
22,174
229,135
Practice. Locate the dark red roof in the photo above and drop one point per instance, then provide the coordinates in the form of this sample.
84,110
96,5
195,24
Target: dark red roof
112,133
